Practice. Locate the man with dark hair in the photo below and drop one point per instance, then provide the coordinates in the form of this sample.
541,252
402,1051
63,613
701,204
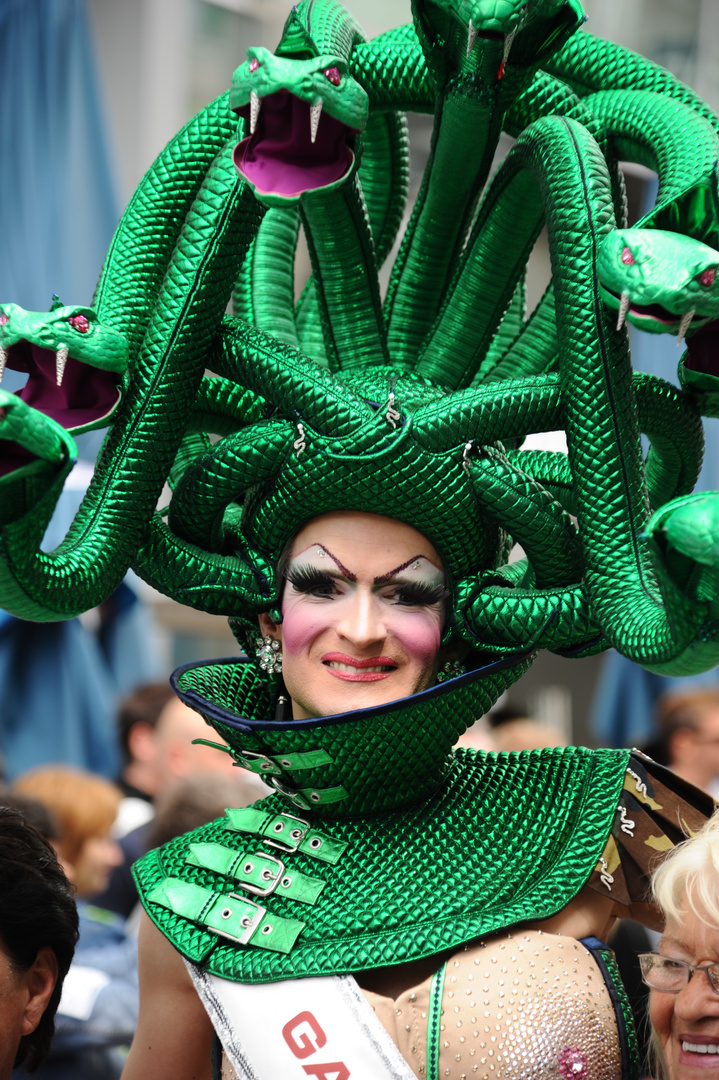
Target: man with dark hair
38,932
136,722
689,727
156,735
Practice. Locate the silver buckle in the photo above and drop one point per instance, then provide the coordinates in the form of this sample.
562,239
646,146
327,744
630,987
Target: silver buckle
297,831
266,875
249,923
265,764
289,793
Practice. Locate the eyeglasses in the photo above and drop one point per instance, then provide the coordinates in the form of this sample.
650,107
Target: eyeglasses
671,976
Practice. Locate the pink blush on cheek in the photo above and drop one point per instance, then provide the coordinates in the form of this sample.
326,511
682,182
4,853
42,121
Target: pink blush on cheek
420,636
301,623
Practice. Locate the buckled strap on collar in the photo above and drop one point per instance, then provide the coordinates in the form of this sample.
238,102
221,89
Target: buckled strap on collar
285,832
260,873
231,916
275,765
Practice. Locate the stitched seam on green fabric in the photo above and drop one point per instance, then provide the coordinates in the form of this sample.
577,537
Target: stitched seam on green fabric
434,1014
147,403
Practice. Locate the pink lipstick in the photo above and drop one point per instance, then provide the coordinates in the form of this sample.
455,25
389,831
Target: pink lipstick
352,669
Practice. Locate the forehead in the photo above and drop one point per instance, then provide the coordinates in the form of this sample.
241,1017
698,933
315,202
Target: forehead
366,542
697,937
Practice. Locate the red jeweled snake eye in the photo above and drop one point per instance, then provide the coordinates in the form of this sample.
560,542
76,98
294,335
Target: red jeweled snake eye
333,74
708,277
627,257
3,318
80,323
254,63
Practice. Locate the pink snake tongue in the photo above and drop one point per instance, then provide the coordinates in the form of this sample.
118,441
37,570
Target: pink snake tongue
280,157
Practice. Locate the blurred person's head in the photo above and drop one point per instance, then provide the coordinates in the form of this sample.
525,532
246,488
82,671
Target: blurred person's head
38,932
85,807
689,736
136,722
477,737
684,1002
199,799
177,757
33,812
523,733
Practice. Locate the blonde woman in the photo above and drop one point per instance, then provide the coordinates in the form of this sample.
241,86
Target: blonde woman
683,975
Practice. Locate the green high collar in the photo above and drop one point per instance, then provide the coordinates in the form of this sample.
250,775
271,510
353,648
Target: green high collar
364,762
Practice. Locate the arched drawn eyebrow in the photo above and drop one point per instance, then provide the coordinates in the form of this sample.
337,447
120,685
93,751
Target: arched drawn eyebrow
391,573
342,569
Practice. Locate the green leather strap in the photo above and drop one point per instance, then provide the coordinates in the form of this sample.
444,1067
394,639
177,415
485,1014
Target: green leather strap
265,765
285,832
231,916
260,874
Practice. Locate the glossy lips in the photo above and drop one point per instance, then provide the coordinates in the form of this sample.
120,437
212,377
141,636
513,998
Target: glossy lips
350,669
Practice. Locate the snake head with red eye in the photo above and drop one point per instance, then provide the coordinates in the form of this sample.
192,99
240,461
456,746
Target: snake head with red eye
304,116
659,281
74,362
519,31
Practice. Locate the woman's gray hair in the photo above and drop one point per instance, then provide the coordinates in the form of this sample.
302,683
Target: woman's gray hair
688,878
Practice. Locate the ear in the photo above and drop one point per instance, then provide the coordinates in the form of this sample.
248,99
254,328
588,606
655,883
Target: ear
141,741
268,627
682,745
40,982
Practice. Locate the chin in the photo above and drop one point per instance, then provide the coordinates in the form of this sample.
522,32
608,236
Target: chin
349,698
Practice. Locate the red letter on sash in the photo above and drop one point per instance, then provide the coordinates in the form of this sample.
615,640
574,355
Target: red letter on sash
299,1038
333,1070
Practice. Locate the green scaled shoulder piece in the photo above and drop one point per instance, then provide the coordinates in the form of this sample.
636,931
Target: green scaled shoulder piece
383,902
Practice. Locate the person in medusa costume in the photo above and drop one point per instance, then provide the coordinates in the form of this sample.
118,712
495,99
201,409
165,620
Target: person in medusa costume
443,911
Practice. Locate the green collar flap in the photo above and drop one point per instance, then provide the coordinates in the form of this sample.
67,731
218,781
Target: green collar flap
508,837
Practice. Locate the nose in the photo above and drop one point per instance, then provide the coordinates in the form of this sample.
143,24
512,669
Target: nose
697,1000
362,624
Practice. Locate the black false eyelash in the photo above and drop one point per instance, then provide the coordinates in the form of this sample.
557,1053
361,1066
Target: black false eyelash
308,578
421,592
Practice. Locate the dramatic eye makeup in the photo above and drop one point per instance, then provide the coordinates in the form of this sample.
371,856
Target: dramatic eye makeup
419,593
396,586
310,579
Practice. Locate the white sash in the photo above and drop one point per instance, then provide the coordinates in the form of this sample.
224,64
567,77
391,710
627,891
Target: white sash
322,1028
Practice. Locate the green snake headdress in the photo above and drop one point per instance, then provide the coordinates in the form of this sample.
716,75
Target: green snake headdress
414,406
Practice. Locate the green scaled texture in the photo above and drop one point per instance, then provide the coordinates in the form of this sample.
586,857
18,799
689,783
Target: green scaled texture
496,872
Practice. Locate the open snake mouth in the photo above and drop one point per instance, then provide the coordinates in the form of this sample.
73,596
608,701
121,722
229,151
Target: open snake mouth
281,158
703,349
653,313
85,396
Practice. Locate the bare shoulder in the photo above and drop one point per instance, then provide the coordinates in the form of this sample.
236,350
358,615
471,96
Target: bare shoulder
174,1034
589,914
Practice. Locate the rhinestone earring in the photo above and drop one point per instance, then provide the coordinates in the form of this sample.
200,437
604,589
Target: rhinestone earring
451,670
269,655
